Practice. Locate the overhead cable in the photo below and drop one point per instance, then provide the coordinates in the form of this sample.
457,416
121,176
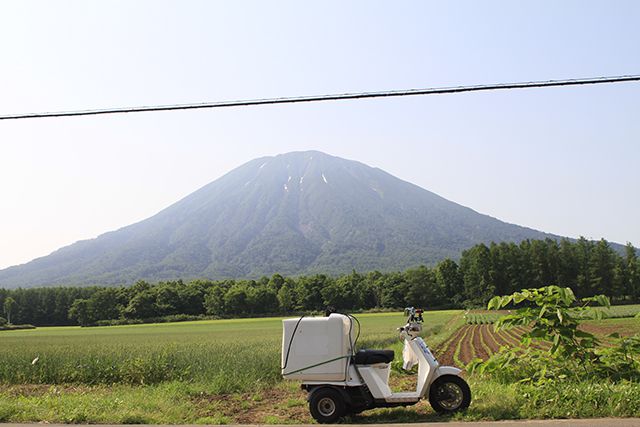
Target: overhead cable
332,97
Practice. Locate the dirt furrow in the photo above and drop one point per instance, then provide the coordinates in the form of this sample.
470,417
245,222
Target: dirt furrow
448,349
515,336
478,344
490,339
482,339
513,342
463,338
467,348
506,339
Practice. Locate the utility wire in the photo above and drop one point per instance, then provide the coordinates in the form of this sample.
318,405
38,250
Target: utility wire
334,97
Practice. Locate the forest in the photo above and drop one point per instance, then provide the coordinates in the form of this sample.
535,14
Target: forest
588,267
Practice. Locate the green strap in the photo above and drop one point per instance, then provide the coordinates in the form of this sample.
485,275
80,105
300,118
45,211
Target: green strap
317,364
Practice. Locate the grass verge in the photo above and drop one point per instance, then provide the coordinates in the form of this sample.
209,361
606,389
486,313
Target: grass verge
177,403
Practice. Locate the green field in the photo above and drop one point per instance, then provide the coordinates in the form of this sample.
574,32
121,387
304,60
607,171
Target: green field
163,372
227,371
227,355
208,351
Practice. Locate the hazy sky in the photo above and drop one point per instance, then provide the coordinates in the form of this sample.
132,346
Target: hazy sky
561,160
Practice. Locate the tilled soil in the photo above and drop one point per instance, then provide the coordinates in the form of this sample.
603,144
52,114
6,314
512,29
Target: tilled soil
478,340
447,350
467,350
471,339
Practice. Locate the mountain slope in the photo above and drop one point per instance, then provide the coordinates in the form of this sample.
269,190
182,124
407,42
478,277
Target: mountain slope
300,212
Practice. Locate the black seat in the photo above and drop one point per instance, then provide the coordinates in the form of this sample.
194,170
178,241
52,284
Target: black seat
369,357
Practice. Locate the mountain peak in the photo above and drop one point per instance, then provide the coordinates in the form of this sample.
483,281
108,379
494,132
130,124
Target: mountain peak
294,213
297,158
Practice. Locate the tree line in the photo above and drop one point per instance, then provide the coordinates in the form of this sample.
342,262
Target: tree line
588,267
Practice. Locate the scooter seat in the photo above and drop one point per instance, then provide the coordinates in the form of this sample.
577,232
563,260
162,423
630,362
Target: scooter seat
369,357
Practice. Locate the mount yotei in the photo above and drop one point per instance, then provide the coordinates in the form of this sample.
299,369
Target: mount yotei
295,213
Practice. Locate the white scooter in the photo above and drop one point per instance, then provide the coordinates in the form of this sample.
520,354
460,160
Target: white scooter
320,351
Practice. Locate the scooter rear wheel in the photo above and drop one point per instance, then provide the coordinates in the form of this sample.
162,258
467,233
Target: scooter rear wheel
326,405
449,393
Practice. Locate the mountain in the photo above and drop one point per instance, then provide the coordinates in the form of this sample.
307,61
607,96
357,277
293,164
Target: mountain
295,213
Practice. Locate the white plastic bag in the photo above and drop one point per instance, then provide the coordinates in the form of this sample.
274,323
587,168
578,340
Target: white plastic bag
409,357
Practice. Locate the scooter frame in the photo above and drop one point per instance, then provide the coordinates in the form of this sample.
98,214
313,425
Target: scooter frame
366,385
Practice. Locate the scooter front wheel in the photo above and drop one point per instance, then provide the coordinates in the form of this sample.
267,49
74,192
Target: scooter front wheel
326,405
449,393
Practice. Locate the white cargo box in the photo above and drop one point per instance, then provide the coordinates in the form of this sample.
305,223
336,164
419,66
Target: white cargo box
317,340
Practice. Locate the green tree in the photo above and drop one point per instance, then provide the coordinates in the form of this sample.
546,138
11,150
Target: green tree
449,282
583,253
107,303
276,282
543,262
167,298
235,300
81,312
9,306
373,284
345,292
394,289
498,272
142,306
214,301
339,294
631,263
261,299
286,298
475,267
601,268
421,288
568,267
308,292
191,298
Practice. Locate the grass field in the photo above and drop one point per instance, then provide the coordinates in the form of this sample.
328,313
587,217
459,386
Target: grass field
208,351
229,355
206,371
227,371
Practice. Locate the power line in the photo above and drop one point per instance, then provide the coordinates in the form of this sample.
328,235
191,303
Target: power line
334,97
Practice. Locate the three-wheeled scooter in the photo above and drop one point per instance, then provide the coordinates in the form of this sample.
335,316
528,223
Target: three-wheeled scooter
320,351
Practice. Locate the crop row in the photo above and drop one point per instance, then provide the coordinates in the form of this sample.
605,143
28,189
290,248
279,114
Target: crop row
476,341
481,318
620,311
614,312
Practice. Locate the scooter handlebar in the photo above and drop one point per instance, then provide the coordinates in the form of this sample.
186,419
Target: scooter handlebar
414,315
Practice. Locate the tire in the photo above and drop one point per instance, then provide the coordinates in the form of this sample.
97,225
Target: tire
449,393
326,405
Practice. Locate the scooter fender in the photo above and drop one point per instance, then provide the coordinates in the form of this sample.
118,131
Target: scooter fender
446,370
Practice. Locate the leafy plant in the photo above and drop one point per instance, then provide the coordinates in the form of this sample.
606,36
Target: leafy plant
552,317
622,360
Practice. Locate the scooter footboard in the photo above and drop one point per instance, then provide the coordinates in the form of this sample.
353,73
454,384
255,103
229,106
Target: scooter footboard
377,378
